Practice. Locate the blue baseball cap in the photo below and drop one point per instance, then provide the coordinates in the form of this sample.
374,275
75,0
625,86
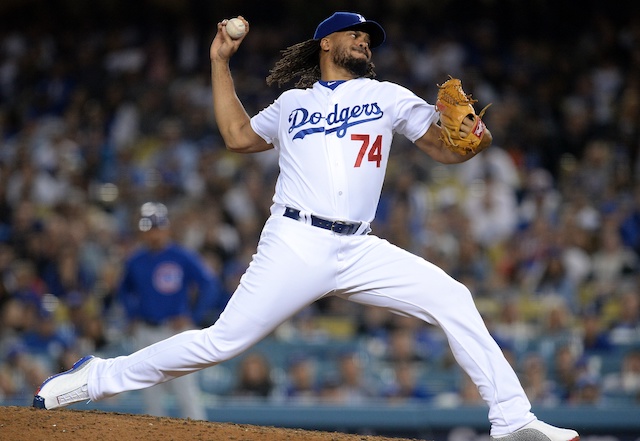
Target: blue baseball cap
342,21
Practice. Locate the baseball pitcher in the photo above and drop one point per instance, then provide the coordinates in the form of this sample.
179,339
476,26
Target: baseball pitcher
333,133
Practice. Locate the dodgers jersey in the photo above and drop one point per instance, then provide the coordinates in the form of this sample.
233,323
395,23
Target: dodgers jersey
334,143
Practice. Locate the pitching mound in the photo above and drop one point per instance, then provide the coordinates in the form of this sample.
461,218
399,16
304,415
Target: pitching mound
26,423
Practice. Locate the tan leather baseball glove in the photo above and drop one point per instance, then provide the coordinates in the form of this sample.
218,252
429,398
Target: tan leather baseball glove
454,106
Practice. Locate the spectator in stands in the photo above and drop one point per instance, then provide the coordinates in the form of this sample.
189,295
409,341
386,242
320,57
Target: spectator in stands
556,328
595,338
245,201
402,346
625,328
28,182
45,340
7,385
66,276
575,244
587,391
254,379
626,382
90,328
567,368
374,322
540,199
613,261
511,325
20,372
630,224
536,382
465,394
554,281
26,287
302,383
406,386
493,208
175,158
16,318
472,265
352,384
597,170
498,163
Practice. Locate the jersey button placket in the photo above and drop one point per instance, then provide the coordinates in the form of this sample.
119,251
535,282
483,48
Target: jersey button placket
333,148
339,175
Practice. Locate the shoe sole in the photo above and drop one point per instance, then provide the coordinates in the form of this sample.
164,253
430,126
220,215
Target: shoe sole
38,401
577,438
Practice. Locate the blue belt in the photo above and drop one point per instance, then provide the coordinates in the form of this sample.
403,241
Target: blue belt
338,227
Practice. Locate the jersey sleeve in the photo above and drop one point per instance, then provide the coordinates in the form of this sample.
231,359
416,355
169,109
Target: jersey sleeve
266,122
414,115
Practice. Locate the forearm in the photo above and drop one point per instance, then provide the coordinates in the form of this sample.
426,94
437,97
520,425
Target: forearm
231,117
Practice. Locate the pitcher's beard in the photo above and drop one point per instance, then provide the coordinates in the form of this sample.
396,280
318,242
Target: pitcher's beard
359,67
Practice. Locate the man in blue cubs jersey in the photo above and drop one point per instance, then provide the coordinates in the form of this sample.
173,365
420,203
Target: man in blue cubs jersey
166,289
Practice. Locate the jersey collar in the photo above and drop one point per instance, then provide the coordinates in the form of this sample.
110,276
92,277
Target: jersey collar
331,84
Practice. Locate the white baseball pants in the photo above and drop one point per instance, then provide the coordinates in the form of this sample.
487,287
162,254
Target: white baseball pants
297,264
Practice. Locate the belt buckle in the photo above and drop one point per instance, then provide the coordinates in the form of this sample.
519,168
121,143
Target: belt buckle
342,224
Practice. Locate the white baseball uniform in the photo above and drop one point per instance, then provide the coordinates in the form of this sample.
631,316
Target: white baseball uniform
333,142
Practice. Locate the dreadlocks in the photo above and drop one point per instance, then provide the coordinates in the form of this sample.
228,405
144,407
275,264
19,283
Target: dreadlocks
301,60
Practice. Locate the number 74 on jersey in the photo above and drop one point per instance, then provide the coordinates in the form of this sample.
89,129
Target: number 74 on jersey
372,150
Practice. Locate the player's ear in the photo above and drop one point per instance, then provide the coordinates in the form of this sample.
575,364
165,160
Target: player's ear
324,44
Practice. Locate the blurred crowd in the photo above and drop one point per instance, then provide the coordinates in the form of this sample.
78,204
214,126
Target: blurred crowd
101,114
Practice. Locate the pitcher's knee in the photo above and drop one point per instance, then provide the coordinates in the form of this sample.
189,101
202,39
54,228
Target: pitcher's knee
461,309
460,294
462,304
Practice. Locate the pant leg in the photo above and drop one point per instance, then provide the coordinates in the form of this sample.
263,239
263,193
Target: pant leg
294,266
378,273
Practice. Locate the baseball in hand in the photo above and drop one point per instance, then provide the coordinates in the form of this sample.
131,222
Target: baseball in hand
235,28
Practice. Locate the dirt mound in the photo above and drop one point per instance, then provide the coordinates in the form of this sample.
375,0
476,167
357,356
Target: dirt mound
26,423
